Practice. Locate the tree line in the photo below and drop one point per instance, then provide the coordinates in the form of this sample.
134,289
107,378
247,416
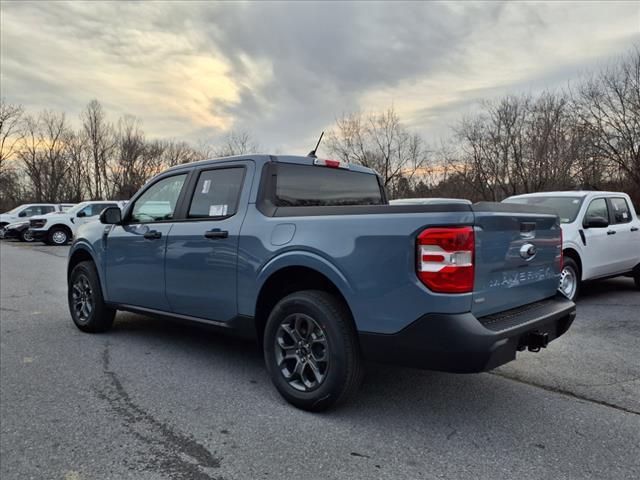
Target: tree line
584,136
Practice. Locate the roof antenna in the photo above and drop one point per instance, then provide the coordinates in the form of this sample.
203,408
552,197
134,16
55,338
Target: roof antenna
312,153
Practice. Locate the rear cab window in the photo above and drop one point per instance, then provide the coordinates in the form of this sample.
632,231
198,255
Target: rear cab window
620,210
311,186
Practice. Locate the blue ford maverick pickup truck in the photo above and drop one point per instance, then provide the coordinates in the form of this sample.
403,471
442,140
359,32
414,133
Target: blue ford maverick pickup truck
308,256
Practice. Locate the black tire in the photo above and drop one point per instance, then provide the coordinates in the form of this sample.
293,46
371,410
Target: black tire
84,283
58,236
343,371
636,279
571,267
26,236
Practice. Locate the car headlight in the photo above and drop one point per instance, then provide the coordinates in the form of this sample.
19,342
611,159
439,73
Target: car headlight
37,223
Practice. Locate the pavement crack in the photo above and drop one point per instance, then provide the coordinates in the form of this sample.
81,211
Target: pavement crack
566,393
175,454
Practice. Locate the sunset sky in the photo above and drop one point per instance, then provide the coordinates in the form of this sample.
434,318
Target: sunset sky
284,71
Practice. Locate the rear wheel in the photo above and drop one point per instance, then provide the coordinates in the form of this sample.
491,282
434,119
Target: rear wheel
570,279
86,305
311,350
58,236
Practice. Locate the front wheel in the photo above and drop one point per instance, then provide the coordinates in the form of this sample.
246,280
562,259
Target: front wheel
58,236
3,230
311,350
570,279
86,305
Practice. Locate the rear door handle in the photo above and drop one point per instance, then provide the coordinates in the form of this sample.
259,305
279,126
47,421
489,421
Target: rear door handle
634,229
611,232
216,234
153,235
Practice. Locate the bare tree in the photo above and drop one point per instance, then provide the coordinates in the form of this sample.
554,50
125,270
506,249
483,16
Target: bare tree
236,143
608,105
380,141
10,131
101,143
10,136
43,153
177,153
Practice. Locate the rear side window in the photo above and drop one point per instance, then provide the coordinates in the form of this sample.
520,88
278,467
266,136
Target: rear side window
312,186
47,209
621,213
598,208
217,193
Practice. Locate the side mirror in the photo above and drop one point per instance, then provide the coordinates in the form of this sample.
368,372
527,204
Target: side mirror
595,222
111,216
22,214
81,214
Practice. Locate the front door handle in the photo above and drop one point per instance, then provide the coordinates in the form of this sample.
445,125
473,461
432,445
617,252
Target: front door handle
634,229
153,235
611,232
216,234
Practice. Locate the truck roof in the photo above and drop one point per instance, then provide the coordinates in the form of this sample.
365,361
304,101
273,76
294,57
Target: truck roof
264,158
568,193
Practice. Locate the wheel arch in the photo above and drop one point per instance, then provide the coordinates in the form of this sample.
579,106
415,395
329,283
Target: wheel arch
63,227
575,256
289,279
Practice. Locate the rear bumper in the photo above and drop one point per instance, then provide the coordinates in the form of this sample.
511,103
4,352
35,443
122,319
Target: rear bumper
462,343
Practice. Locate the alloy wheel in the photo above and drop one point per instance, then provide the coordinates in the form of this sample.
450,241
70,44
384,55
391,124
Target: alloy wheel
302,352
82,298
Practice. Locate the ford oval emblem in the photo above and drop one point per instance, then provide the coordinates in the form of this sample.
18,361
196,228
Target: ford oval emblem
528,251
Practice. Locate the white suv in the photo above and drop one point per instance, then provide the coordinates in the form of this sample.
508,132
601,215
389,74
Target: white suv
601,235
24,212
59,228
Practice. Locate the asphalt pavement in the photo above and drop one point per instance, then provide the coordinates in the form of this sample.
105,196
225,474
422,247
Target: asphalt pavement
160,400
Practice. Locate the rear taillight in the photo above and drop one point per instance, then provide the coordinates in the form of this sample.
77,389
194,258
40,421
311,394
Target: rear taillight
445,259
560,255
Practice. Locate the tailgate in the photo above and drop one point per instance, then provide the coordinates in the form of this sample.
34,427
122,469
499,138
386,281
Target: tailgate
517,256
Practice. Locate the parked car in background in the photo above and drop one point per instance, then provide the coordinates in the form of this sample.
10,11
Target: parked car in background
26,211
601,235
19,230
59,228
307,256
428,201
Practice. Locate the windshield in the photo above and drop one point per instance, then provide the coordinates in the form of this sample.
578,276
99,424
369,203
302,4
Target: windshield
16,210
76,208
567,208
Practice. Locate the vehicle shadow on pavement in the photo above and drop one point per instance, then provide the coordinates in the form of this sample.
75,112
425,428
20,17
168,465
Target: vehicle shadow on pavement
387,389
597,289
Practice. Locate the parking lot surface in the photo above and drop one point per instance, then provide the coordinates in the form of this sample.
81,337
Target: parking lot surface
153,399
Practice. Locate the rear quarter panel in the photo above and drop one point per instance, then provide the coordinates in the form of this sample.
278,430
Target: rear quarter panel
370,258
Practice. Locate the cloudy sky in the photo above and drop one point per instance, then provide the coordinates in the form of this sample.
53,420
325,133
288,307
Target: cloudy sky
284,71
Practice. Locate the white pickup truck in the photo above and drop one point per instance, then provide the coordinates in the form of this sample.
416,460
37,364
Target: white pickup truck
24,212
601,235
59,228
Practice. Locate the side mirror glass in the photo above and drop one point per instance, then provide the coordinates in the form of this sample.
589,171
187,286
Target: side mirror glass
81,214
111,216
595,222
22,214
